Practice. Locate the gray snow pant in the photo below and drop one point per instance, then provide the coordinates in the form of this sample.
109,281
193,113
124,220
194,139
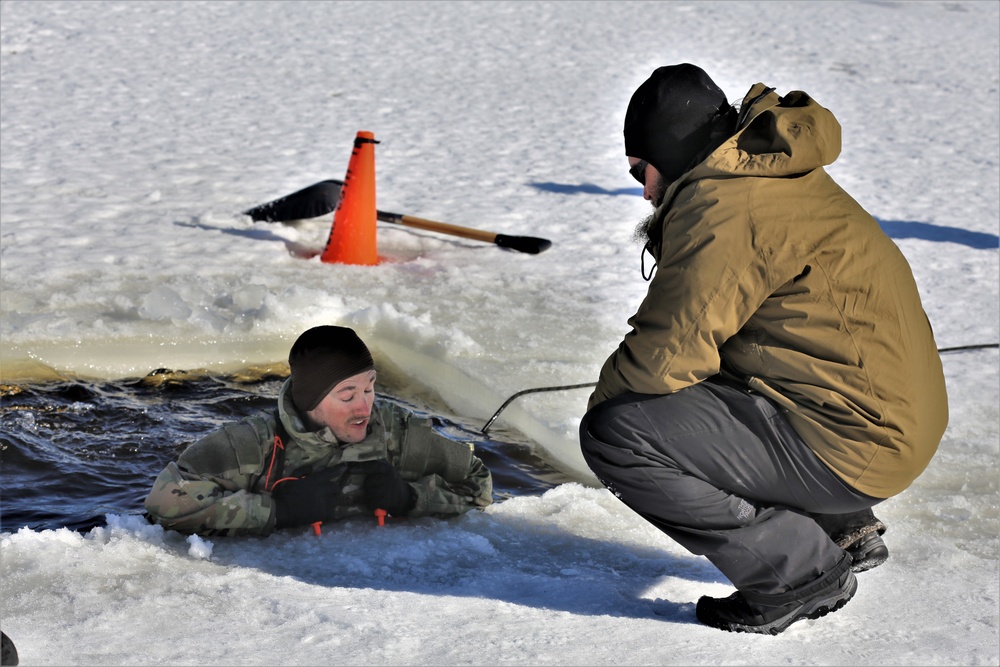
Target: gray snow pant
721,471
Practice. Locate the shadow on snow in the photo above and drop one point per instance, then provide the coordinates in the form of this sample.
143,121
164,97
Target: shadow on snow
513,559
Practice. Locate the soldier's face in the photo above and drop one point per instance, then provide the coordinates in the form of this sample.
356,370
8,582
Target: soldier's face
347,408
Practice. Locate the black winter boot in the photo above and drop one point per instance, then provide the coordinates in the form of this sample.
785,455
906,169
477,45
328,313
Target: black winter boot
867,552
859,534
771,614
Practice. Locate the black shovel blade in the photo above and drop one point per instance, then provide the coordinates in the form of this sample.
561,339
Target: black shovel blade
528,244
311,202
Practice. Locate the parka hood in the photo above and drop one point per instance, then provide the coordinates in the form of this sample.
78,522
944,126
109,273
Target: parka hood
778,136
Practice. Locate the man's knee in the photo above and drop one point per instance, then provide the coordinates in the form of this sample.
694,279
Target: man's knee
616,434
599,430
590,445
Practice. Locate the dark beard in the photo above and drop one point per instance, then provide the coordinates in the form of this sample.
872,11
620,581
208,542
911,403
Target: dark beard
646,232
643,233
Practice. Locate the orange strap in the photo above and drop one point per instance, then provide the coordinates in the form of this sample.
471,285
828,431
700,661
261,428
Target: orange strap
278,444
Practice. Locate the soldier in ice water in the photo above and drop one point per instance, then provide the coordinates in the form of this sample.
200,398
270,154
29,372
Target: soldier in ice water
328,451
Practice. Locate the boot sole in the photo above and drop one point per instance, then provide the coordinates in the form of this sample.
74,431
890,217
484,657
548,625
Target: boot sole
869,562
809,610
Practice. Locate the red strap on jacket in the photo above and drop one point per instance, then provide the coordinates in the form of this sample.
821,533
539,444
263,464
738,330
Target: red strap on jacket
278,445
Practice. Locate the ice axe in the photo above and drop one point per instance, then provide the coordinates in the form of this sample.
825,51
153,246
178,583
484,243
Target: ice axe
322,198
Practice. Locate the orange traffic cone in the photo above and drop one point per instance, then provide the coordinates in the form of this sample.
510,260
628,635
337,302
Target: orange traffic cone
352,236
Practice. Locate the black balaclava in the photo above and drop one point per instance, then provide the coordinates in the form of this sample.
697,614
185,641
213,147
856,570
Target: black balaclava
675,117
321,358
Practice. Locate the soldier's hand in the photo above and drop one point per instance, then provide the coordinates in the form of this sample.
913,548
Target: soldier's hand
306,500
384,488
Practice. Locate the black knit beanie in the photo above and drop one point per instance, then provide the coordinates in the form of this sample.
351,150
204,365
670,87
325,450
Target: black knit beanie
321,358
674,117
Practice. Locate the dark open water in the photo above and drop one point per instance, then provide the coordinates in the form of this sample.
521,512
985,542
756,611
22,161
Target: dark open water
72,452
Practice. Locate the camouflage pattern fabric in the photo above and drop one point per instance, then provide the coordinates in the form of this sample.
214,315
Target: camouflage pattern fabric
220,485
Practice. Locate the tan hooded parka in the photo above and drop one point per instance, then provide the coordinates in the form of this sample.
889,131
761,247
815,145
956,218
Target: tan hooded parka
768,272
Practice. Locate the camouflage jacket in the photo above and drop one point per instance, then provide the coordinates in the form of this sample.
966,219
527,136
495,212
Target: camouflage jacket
220,485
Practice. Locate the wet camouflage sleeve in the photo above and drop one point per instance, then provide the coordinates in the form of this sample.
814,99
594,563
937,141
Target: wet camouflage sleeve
208,490
440,498
448,477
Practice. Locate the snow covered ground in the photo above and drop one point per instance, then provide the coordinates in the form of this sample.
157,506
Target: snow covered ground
133,134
